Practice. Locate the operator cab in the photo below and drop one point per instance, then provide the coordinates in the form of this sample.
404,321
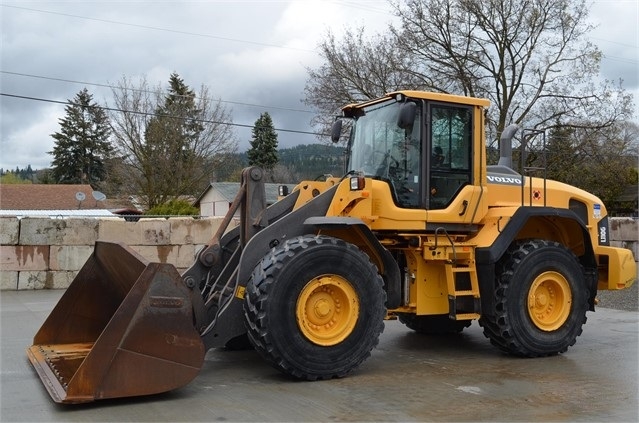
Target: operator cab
422,148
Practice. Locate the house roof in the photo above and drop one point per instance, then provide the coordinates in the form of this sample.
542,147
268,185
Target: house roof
228,190
52,197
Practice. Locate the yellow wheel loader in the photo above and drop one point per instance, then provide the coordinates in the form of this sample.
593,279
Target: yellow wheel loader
419,229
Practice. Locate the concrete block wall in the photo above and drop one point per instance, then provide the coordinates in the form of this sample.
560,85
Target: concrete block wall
38,252
624,233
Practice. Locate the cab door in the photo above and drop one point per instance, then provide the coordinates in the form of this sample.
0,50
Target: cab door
450,193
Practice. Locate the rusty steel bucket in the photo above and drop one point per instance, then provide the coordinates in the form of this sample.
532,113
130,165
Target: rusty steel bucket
123,328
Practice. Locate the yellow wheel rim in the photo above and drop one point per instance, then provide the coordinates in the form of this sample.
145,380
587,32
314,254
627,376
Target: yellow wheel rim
549,301
327,310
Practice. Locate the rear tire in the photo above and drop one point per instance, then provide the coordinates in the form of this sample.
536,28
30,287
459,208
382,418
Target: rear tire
541,299
438,324
314,307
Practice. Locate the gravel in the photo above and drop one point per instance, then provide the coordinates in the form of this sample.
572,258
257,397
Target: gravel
624,299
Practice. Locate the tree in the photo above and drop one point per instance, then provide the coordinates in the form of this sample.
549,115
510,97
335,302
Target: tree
13,178
562,155
263,151
232,169
44,176
170,143
174,208
82,144
530,58
603,163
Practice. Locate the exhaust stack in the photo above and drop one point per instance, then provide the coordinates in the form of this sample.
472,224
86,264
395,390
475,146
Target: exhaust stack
506,146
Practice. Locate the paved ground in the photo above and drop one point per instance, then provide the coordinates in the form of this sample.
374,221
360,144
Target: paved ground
408,378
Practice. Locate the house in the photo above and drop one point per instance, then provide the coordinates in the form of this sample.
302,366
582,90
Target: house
56,200
218,197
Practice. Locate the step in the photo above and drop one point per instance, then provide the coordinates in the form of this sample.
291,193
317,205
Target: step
467,316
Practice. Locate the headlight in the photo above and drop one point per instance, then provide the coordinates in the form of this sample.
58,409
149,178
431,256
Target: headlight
357,183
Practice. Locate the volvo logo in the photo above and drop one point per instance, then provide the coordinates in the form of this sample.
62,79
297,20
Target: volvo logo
506,180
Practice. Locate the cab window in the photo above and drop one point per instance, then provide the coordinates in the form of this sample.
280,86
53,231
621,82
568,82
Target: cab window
451,152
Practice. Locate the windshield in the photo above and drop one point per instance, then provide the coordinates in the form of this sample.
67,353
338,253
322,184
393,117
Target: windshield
379,148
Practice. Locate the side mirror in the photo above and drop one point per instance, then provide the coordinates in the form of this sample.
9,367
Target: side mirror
407,114
336,130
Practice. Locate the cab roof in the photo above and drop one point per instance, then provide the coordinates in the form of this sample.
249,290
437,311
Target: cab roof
423,95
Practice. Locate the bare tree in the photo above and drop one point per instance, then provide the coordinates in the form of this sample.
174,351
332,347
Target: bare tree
355,69
531,58
169,143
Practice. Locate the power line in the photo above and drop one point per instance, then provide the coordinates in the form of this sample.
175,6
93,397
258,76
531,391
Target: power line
367,7
113,109
619,59
50,78
155,28
634,46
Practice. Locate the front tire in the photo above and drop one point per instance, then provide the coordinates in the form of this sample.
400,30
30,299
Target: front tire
541,299
314,307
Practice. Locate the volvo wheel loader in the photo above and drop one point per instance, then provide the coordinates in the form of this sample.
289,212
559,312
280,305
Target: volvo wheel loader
419,229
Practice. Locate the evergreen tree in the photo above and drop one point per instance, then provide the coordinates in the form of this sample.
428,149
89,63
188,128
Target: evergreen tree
176,121
81,145
28,173
562,155
171,138
263,151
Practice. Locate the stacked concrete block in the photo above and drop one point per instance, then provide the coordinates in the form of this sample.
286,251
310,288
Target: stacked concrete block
66,232
193,231
24,262
9,237
624,233
174,240
63,244
26,265
181,256
9,231
38,253
142,232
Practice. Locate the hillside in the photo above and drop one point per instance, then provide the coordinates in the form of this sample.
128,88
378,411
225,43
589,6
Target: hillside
313,160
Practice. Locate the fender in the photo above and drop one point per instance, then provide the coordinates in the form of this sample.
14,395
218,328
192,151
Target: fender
487,256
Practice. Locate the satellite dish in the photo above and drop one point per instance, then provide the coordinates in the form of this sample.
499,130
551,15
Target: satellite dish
98,196
80,196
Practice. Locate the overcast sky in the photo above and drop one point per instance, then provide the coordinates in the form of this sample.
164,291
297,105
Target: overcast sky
252,55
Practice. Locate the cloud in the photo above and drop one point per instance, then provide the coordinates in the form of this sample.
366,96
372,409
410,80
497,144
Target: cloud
252,54
617,41
30,144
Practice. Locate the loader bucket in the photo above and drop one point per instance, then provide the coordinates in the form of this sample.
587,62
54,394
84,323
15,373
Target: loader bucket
123,328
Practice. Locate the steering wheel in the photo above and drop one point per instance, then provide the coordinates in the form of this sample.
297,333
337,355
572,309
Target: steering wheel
386,161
